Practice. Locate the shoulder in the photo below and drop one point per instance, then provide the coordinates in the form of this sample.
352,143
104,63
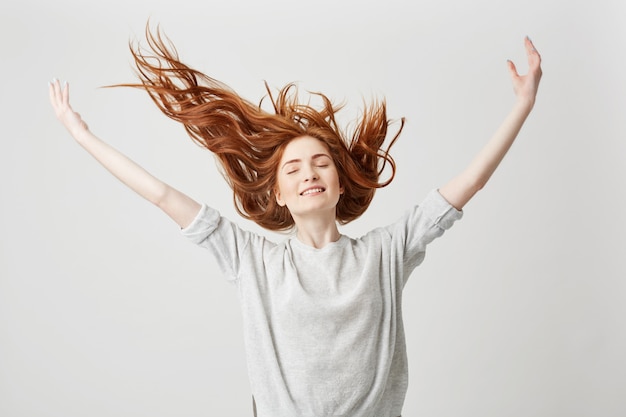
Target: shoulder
433,210
210,224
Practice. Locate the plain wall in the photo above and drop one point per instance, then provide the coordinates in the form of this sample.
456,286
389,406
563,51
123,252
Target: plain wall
519,310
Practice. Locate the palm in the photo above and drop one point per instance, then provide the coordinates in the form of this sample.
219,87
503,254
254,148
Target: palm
525,86
60,100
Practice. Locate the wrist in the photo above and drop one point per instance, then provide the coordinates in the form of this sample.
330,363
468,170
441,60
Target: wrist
524,104
80,134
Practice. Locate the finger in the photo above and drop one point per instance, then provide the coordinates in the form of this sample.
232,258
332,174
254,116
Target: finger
82,122
66,94
56,90
55,94
530,47
512,69
531,51
51,94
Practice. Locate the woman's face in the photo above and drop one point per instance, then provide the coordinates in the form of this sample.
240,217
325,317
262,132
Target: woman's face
308,183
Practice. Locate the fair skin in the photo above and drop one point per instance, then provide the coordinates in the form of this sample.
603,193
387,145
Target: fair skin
312,215
308,184
180,207
464,186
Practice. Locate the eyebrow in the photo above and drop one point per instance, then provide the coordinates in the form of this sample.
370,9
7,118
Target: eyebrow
316,156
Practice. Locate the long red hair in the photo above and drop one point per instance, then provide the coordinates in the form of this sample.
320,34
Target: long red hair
249,141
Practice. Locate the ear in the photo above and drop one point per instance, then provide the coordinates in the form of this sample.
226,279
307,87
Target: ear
278,196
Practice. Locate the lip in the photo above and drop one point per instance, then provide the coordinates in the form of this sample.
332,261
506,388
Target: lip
312,188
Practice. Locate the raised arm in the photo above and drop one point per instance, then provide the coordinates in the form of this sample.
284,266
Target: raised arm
181,208
463,187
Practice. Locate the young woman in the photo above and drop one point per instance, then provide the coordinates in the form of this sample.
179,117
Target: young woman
322,312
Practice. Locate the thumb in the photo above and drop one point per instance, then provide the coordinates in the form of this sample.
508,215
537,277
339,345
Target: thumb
81,122
512,69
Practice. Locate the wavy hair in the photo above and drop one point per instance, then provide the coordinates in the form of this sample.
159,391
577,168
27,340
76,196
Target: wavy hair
249,141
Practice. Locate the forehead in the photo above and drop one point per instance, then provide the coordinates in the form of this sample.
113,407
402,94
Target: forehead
303,147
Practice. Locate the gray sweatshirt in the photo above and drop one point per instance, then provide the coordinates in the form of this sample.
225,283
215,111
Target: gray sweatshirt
323,327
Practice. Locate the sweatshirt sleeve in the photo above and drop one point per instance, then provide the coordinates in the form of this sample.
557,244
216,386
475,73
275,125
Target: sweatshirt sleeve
229,245
421,225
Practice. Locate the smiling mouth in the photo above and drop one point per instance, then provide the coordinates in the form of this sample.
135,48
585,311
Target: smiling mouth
312,191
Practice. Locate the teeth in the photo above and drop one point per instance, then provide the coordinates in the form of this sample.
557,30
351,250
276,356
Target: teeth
313,190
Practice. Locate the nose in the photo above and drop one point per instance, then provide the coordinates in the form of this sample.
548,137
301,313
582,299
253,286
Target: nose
310,174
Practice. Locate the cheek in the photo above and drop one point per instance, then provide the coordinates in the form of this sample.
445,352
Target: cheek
338,180
281,191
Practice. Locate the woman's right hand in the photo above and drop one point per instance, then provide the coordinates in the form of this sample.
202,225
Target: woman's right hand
60,100
175,204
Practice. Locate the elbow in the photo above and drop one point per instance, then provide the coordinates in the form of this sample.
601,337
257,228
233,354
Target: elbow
160,195
462,188
472,187
479,184
475,184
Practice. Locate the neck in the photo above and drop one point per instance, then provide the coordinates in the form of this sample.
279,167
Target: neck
317,232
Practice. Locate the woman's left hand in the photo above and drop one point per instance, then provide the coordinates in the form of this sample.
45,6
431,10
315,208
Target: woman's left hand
525,86
462,188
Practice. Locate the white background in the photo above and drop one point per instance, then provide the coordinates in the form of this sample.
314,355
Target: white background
519,310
